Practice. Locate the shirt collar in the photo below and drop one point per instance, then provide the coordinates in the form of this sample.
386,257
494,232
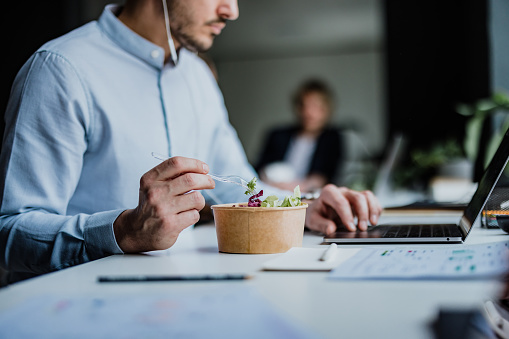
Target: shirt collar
130,40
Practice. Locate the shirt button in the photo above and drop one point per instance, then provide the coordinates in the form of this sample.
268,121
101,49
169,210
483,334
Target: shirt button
154,54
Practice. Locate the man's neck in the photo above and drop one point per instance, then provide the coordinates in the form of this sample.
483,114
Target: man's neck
146,18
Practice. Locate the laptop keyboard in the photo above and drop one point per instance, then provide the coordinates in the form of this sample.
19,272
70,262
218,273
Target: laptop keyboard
417,231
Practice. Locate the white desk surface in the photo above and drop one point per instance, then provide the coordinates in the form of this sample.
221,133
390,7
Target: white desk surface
332,309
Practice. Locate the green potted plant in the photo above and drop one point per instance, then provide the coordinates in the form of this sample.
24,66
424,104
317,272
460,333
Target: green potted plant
496,109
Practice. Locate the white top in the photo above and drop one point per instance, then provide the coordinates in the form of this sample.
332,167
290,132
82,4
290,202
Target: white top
300,153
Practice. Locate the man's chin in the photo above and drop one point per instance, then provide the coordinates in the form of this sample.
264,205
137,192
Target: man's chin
199,46
204,47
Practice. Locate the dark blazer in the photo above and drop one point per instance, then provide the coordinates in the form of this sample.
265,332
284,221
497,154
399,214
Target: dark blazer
325,159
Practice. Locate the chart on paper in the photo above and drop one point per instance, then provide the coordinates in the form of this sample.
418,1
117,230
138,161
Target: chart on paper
482,260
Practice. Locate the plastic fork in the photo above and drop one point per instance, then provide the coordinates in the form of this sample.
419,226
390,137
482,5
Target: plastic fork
232,179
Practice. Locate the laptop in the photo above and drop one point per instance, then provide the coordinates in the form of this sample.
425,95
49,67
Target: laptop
382,184
434,233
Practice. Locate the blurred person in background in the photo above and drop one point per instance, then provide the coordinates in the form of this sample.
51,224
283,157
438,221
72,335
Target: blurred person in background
307,153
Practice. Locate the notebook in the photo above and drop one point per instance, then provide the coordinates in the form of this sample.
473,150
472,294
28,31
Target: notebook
435,233
308,259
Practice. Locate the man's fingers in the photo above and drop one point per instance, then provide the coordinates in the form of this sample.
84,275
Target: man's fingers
321,224
177,224
176,166
374,206
336,199
348,204
171,205
187,218
190,181
190,201
359,205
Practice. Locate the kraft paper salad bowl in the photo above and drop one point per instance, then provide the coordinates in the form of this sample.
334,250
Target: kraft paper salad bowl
258,230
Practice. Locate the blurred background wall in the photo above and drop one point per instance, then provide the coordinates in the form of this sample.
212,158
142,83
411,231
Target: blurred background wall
264,56
374,54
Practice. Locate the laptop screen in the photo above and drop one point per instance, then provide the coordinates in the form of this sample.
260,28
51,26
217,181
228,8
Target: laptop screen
486,186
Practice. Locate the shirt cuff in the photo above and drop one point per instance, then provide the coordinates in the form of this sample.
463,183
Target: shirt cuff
99,235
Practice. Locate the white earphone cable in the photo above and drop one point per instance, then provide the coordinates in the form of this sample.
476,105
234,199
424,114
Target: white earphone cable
173,51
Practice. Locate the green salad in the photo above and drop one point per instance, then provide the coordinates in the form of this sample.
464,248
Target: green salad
271,200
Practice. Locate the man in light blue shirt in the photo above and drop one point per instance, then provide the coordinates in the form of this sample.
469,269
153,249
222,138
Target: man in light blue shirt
85,114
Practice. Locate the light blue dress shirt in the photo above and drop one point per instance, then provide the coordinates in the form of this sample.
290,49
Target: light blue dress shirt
85,113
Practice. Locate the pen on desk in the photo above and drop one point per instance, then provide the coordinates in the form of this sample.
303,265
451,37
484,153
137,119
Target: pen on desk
150,278
329,253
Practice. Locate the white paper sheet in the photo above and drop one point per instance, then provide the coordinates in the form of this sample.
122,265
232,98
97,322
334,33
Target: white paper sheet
433,262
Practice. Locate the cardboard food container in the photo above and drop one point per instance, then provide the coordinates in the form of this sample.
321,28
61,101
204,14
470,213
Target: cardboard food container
258,230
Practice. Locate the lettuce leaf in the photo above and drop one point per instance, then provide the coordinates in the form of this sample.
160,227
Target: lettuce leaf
251,186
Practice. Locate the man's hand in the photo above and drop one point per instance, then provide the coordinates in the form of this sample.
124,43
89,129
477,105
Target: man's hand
339,206
166,205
